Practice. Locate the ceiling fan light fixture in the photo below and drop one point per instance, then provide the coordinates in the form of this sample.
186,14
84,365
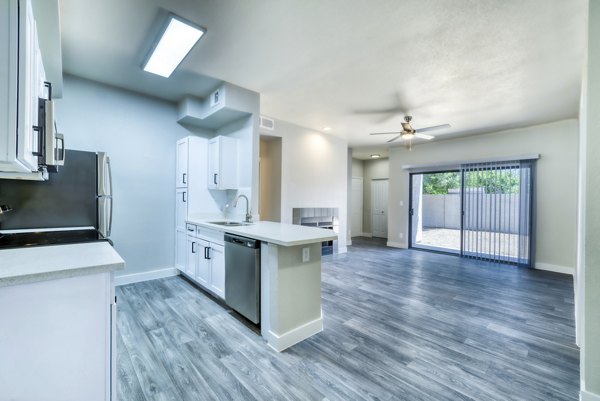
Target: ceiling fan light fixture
175,42
408,135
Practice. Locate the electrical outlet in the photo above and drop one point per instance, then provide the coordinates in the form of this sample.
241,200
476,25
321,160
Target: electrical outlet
305,254
401,235
401,203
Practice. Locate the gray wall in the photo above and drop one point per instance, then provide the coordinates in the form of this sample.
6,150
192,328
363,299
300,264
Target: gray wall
139,135
557,143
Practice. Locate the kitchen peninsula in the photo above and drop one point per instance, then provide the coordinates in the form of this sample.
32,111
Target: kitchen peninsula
290,277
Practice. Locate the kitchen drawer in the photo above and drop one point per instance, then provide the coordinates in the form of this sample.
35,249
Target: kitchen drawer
209,235
190,229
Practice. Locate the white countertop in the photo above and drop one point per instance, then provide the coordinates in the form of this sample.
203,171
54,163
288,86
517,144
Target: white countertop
40,263
275,233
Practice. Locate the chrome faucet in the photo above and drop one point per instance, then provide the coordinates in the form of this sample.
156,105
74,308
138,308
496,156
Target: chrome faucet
248,213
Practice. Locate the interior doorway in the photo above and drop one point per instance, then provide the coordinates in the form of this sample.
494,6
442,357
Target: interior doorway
270,178
379,208
356,213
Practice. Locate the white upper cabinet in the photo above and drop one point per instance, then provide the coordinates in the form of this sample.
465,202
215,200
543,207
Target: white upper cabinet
22,78
222,163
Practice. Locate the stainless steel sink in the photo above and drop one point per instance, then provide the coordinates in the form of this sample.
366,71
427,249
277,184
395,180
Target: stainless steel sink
230,223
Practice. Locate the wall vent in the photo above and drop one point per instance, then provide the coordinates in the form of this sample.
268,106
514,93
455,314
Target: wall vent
267,123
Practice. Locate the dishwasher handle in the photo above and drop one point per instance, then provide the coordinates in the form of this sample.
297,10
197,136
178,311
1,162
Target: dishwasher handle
242,241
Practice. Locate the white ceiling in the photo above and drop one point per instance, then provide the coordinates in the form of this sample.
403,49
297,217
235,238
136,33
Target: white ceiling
480,65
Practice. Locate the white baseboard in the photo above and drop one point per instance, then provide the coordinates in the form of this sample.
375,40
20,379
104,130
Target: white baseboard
286,340
555,268
145,276
393,244
587,396
348,242
368,235
343,249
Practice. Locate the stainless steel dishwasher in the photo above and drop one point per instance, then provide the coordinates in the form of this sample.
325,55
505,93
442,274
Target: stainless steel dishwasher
242,276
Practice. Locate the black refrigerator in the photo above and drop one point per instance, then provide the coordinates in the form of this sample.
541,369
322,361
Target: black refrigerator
74,205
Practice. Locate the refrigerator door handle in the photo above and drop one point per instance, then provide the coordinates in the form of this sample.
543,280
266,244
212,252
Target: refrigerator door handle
110,217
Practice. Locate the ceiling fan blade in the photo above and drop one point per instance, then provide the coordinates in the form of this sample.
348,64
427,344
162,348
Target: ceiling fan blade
426,129
394,138
385,133
394,110
424,136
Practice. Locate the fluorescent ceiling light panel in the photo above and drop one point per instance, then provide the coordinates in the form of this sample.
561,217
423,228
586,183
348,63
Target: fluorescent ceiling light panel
176,42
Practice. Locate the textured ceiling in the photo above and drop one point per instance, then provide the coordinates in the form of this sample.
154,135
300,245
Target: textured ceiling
480,65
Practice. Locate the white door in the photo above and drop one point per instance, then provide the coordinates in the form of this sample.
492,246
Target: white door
379,207
217,269
180,250
203,267
357,206
181,196
192,256
213,164
182,163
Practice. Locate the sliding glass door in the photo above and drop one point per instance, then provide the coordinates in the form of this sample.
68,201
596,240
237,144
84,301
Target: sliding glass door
483,211
436,211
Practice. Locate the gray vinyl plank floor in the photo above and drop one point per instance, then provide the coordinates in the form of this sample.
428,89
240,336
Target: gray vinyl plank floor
399,325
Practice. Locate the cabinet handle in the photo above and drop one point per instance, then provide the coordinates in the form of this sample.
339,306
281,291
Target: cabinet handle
193,249
183,197
190,229
206,252
215,179
184,178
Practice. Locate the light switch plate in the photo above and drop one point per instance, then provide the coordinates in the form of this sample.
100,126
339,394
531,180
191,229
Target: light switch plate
305,254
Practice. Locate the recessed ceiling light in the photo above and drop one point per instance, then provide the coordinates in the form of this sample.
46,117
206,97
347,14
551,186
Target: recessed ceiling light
375,156
176,41
327,129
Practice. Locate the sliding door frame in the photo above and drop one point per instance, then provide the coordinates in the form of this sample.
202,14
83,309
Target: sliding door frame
410,212
532,214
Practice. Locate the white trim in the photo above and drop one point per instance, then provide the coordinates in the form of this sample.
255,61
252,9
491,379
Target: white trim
146,276
393,244
343,249
587,396
348,242
368,235
294,336
555,268
454,164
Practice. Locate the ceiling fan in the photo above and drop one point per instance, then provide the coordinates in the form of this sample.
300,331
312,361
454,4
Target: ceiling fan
408,133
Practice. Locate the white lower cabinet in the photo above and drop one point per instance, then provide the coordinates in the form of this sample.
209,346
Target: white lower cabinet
57,340
205,262
217,269
180,250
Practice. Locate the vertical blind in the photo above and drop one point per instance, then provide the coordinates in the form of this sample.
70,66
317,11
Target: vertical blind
497,215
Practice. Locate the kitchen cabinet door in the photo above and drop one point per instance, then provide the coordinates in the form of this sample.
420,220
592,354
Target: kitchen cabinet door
203,267
181,207
182,178
222,163
180,250
217,270
192,256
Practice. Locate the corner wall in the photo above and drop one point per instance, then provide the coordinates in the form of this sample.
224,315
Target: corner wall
314,172
139,134
589,262
556,185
